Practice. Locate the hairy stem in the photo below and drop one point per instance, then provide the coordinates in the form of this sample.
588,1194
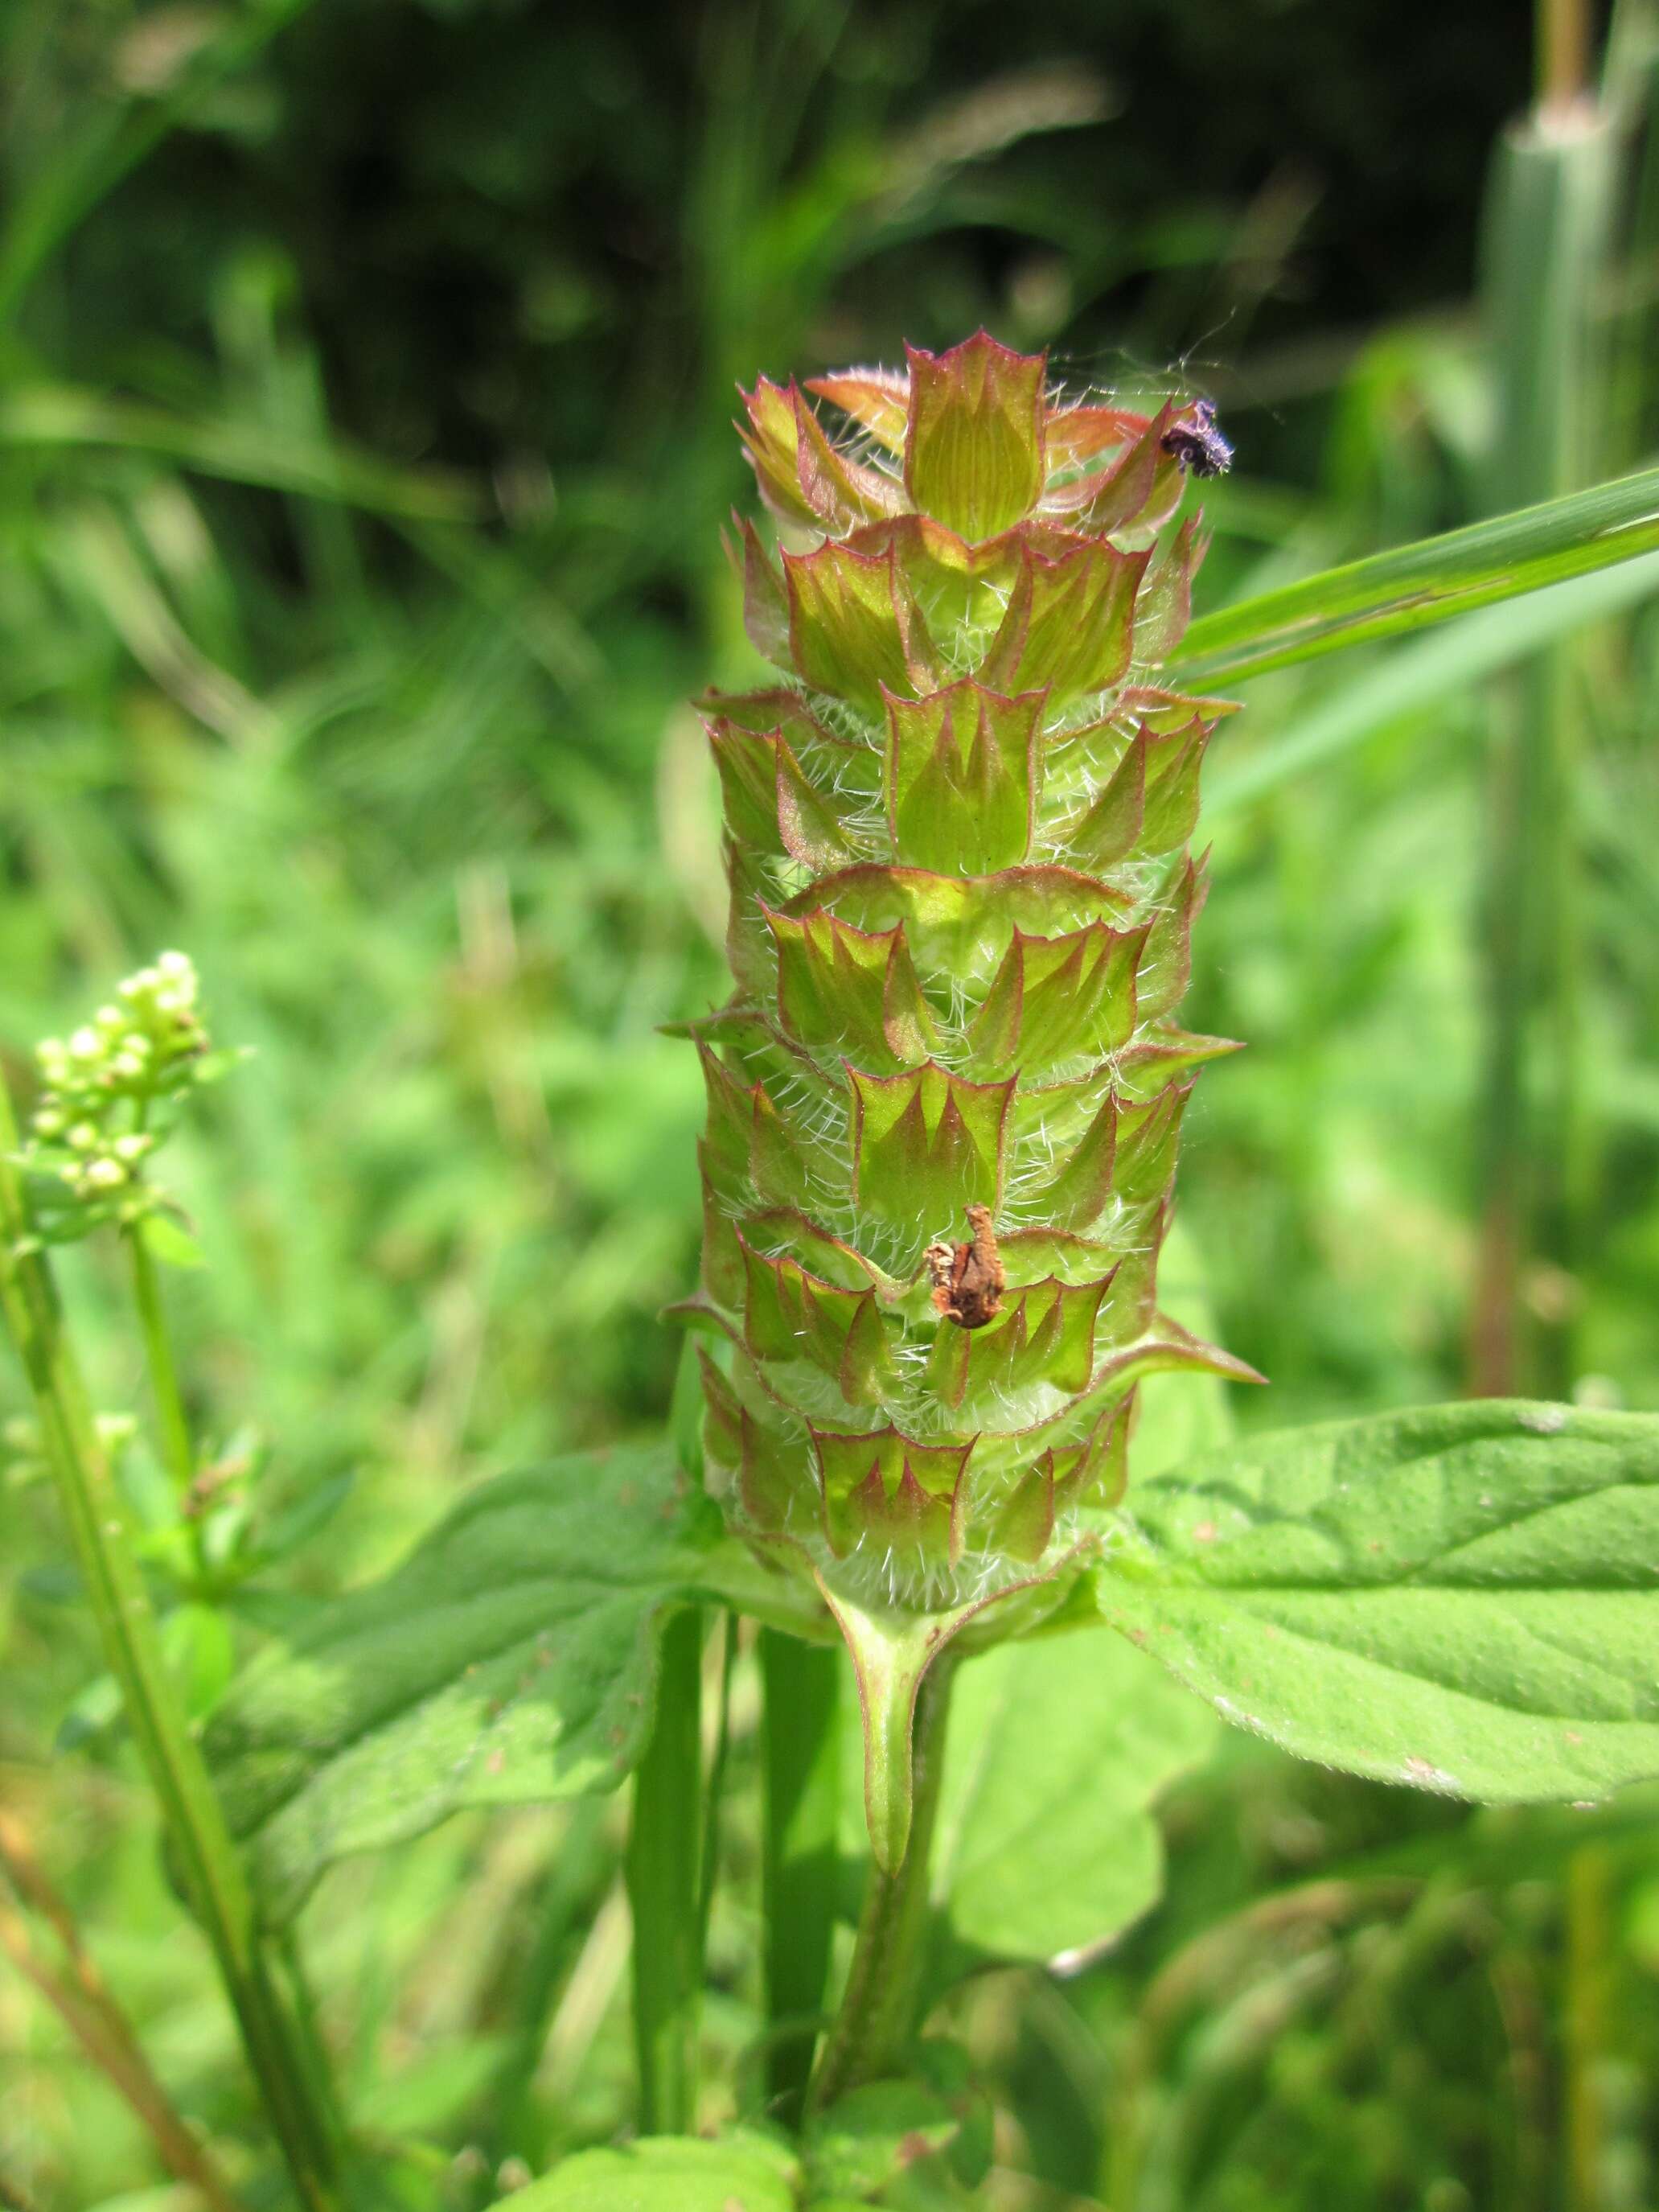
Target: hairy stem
211,1872
878,2009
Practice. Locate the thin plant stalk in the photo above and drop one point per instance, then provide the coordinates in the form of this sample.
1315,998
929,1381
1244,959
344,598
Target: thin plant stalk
800,1753
100,1527
1590,1946
178,1453
876,2019
1563,50
664,1874
1547,254
715,1790
82,2000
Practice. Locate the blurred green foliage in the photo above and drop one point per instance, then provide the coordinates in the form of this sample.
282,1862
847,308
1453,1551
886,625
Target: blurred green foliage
365,370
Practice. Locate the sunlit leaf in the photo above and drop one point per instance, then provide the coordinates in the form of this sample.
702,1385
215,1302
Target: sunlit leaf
510,1659
1464,1598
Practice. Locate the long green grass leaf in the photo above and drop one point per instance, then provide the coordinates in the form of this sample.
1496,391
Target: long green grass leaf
664,1887
1428,582
1426,674
800,1735
62,414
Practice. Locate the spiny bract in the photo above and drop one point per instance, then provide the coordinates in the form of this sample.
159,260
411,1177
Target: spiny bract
961,904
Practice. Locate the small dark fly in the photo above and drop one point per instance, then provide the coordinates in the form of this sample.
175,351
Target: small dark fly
1197,444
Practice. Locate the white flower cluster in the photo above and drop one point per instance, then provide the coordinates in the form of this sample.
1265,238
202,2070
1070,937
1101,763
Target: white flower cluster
101,1084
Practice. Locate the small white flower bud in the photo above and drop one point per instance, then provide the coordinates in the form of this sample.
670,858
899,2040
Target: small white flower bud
111,1019
85,1044
133,1147
48,1123
82,1137
104,1175
126,1066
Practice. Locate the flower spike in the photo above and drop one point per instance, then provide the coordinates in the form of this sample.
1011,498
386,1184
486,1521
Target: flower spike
944,1101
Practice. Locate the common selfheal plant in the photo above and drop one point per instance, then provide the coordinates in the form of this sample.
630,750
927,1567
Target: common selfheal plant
944,1106
946,1098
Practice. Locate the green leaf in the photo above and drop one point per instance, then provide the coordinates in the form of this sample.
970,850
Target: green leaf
46,415
510,1658
167,1242
1465,1598
1046,1844
667,2173
926,1144
1416,585
801,1728
961,770
1068,624
851,991
663,1870
91,1710
855,627
1423,677
1055,997
196,1644
973,451
891,1648
873,2134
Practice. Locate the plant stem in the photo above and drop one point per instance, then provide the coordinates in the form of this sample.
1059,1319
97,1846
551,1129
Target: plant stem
1591,1947
1563,51
664,1888
83,2002
1548,235
211,1872
878,2005
715,1790
177,1454
800,1750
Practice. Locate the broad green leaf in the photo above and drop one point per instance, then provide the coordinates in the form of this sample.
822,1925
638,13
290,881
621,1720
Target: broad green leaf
1465,1598
1055,1751
1416,585
667,2173
510,1658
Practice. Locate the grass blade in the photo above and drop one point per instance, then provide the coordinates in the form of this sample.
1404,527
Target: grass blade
1548,251
1424,674
800,1735
1407,589
62,414
664,1887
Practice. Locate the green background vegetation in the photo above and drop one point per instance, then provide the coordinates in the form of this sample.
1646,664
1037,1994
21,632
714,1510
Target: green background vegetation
365,380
